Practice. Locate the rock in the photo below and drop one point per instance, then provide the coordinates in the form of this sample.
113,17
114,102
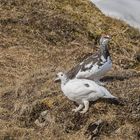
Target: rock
44,119
94,129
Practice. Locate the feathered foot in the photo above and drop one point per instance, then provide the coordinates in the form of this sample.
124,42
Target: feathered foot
86,104
78,108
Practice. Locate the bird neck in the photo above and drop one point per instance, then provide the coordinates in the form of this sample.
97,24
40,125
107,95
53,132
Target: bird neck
104,51
64,81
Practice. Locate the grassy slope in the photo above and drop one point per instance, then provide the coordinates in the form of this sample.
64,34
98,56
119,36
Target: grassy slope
38,38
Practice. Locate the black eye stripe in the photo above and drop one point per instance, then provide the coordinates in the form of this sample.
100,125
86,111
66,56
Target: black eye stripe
87,85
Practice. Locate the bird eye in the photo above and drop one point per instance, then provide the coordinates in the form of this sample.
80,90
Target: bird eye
61,74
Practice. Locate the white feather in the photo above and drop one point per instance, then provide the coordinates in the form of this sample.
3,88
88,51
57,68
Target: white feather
96,72
82,90
88,65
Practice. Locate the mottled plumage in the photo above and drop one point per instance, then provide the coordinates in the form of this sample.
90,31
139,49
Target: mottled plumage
95,66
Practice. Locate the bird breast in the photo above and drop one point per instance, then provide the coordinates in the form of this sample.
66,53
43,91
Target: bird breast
78,89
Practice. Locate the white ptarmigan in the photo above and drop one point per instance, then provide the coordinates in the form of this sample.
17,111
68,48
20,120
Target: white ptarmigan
96,65
82,91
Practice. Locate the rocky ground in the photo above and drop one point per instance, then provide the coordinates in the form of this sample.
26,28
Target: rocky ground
39,38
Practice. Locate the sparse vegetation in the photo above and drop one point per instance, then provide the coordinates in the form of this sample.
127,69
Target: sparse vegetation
38,38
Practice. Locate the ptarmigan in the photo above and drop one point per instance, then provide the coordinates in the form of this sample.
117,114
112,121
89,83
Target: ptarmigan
82,91
95,66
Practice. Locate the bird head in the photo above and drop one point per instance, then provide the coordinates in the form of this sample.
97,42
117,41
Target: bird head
104,40
60,77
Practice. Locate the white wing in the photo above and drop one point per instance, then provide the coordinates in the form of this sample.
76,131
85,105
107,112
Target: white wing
81,88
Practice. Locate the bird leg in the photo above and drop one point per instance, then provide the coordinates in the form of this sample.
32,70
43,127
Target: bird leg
86,104
78,108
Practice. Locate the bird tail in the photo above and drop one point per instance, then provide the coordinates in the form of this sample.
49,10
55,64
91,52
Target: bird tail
107,94
115,101
110,98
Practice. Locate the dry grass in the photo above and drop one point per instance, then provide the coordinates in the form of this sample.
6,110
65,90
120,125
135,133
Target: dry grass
38,38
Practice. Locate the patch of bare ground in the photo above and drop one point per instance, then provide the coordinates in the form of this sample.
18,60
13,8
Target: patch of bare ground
38,38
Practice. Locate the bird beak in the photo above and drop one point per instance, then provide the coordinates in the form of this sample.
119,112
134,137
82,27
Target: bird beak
56,80
109,37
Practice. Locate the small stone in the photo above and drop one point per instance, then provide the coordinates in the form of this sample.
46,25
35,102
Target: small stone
44,119
44,113
39,124
94,129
